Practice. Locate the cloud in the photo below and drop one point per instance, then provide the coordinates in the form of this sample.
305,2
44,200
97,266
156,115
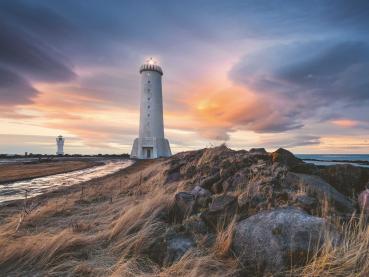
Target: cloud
305,79
14,89
345,123
332,72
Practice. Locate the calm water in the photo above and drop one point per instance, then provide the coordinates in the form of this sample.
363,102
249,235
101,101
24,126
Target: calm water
331,159
37,186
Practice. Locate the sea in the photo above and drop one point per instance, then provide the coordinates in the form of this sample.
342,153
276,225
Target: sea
332,159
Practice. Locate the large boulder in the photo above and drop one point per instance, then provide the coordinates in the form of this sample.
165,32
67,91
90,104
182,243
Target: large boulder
268,243
347,179
316,186
286,158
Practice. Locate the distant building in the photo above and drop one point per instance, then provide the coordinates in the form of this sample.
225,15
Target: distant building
151,142
60,145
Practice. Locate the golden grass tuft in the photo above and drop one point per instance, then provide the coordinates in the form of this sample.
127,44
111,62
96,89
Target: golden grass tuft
349,258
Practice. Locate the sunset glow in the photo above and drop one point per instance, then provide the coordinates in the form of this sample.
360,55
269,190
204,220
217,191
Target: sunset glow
235,74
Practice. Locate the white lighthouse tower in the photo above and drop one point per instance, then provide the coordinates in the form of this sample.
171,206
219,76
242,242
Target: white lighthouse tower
151,142
60,145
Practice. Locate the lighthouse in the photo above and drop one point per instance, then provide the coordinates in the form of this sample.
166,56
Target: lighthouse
151,142
60,145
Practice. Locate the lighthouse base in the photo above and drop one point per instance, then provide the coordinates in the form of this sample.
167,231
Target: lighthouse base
150,148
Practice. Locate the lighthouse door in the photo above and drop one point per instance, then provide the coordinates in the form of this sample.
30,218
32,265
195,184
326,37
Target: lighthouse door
148,152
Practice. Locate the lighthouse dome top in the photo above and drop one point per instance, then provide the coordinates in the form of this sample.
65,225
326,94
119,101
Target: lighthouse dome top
151,65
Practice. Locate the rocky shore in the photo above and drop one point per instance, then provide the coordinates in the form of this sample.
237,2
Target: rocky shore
211,212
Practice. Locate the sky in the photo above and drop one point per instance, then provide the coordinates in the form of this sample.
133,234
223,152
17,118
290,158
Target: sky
292,74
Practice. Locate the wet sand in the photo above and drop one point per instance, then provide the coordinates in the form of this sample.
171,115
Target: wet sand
20,171
36,186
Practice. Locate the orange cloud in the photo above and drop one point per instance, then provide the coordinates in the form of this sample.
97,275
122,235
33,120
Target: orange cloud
345,123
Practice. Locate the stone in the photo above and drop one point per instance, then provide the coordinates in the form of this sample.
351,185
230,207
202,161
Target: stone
363,201
195,224
176,246
286,158
261,151
209,181
346,178
202,196
268,243
323,190
184,203
306,202
221,210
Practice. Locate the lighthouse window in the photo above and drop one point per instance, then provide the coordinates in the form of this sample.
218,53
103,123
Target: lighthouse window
148,99
148,81
148,115
148,106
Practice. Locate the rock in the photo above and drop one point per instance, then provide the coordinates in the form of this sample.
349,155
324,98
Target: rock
222,209
323,190
209,181
176,246
217,187
270,242
166,245
183,205
363,201
198,191
202,196
286,158
261,151
346,178
306,202
195,224
191,171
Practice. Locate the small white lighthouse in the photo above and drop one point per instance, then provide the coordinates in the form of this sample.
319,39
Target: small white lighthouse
151,142
60,145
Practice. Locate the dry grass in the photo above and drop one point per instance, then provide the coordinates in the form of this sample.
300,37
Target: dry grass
348,258
108,227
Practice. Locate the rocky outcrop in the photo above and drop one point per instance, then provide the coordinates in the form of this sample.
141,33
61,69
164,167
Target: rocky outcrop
286,158
270,242
314,185
348,179
276,200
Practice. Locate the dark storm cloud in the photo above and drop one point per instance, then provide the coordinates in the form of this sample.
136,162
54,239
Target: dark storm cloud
307,78
31,56
14,89
331,73
25,52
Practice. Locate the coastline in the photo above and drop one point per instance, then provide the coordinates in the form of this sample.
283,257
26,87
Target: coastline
29,171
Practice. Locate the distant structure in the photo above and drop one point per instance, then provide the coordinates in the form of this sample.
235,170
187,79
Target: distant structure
151,142
60,145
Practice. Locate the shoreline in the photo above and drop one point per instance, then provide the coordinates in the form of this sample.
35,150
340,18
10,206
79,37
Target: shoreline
65,190
35,169
358,162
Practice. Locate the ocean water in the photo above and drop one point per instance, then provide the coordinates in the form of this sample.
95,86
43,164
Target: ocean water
331,159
